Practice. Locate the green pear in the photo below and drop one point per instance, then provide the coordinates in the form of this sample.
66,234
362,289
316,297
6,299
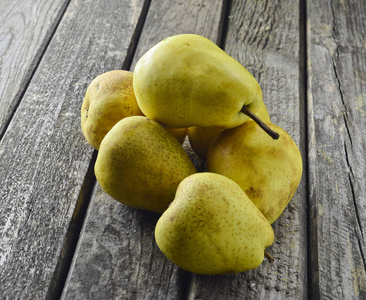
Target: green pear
202,137
212,227
140,164
187,80
269,171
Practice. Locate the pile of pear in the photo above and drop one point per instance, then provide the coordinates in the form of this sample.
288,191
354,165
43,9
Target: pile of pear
217,220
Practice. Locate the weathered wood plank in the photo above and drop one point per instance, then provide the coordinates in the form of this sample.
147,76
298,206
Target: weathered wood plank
337,146
44,156
265,37
25,30
117,244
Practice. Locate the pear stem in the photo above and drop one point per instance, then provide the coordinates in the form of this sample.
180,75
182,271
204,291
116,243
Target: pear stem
245,110
268,256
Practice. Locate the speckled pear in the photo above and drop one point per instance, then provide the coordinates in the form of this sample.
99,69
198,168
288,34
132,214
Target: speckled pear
140,164
187,80
212,227
269,171
108,99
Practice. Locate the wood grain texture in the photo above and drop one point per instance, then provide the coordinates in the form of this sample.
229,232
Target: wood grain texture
118,257
44,156
117,245
337,128
25,30
265,37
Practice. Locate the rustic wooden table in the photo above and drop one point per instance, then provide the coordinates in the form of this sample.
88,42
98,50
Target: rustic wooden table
61,236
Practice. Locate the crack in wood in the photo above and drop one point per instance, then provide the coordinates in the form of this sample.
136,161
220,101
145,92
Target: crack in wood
342,97
347,129
358,219
351,179
361,250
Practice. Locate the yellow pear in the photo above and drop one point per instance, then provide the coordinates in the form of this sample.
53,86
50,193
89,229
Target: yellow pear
269,171
187,80
140,164
202,137
108,99
212,227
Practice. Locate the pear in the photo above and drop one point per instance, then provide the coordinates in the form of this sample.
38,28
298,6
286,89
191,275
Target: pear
140,164
202,137
212,227
108,99
187,80
269,171
179,133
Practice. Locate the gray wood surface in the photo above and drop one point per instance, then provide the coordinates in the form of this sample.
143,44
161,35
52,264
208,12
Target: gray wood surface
264,37
337,128
25,30
44,178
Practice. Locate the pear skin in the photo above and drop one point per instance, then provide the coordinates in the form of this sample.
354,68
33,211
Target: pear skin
108,99
269,171
187,80
212,227
202,137
179,133
140,164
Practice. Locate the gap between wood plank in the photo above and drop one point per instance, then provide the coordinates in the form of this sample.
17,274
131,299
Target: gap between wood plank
21,93
303,54
136,37
223,24
72,237
71,240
